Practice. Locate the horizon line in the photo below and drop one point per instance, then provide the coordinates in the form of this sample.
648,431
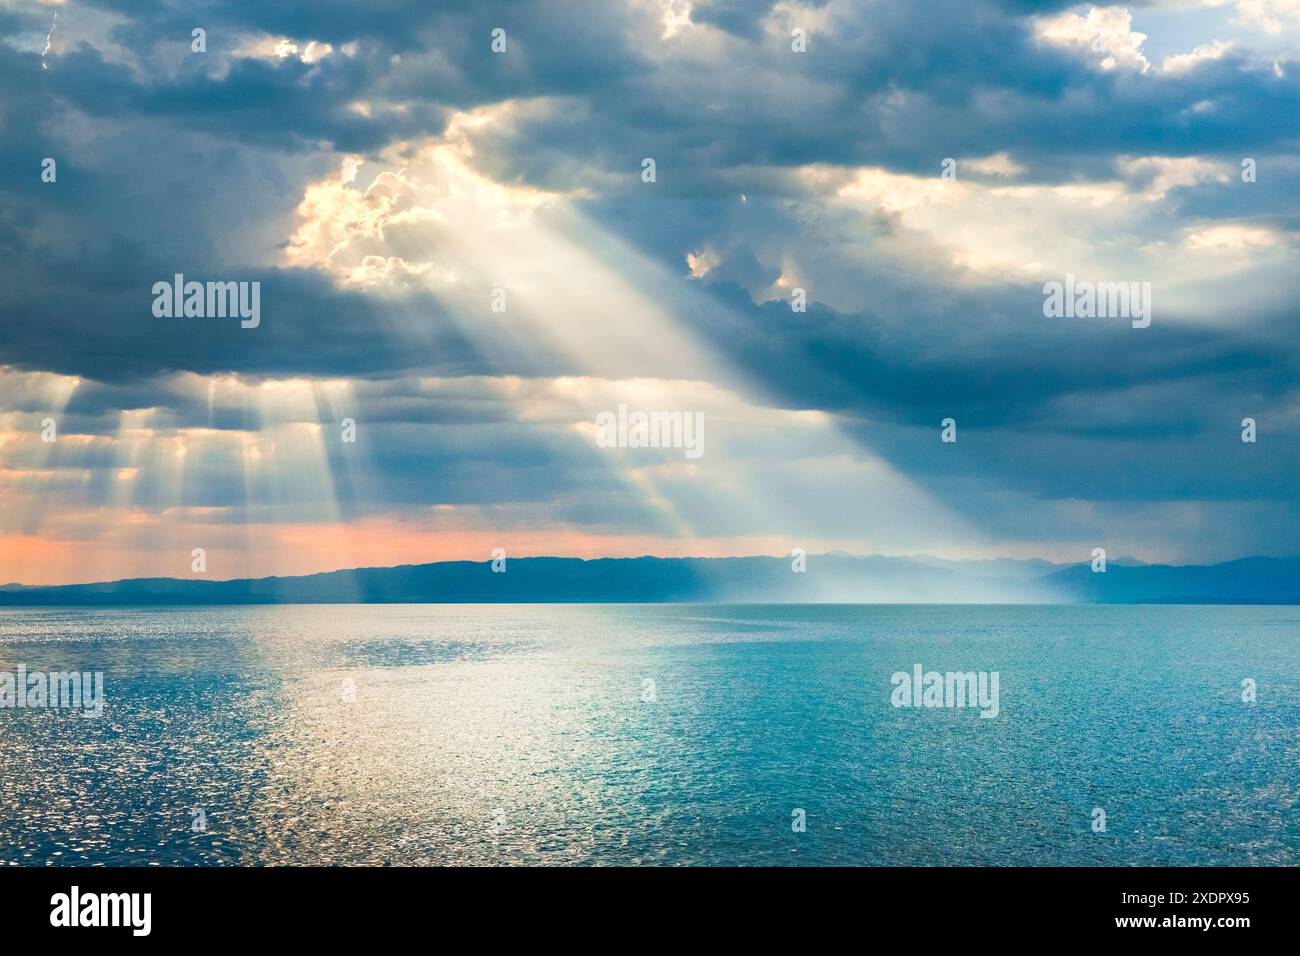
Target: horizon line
1119,561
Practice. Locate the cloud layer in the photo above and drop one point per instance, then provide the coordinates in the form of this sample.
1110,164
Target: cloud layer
458,251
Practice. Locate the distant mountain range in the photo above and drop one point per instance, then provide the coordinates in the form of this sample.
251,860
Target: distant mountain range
829,578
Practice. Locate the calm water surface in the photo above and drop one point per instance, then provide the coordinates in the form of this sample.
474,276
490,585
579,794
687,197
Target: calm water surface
508,734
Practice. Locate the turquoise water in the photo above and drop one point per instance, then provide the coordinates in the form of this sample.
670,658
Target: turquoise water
495,735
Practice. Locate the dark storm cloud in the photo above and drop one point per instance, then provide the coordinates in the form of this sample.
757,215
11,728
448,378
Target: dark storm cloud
1002,364
102,326
952,77
1058,408
932,86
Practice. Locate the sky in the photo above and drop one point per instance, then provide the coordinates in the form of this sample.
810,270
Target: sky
461,256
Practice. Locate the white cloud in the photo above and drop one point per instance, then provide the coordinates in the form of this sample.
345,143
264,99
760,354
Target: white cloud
1271,16
1155,176
1106,32
346,230
1184,62
998,164
972,232
280,48
1232,237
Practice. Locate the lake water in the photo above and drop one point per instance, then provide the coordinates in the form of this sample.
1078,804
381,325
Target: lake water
653,735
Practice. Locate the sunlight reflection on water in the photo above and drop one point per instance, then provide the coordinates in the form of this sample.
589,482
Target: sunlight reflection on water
487,735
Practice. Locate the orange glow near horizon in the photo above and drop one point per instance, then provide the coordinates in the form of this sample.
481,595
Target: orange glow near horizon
292,549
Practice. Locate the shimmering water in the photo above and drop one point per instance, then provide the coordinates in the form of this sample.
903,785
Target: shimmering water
490,735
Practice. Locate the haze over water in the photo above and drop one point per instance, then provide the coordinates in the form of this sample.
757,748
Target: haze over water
523,734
